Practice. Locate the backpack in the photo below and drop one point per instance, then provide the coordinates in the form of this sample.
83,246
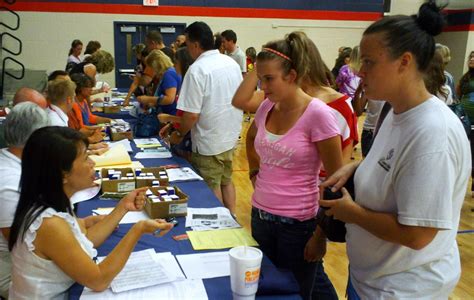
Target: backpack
461,114
147,124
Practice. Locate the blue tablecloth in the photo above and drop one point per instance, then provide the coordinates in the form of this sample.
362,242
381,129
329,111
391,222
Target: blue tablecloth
274,283
125,115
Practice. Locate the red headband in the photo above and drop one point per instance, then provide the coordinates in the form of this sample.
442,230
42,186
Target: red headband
277,53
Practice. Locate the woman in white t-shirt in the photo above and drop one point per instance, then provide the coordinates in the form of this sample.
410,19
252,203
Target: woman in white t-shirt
51,249
401,226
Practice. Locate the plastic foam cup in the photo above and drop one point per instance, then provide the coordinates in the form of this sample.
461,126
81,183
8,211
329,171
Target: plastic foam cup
244,271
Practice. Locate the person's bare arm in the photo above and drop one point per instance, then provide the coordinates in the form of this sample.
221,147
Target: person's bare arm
246,97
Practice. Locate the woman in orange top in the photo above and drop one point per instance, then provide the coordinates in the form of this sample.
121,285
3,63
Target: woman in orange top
84,86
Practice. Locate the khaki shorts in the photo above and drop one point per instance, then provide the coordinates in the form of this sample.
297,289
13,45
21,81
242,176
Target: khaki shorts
5,273
215,169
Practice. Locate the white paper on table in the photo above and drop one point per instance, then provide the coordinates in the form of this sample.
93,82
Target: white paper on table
85,194
168,261
118,121
160,154
184,289
124,142
182,174
141,270
129,218
205,265
210,219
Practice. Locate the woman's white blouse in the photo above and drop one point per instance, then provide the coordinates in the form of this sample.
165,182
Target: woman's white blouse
34,277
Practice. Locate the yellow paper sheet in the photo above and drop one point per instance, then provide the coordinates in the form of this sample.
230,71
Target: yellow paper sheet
134,165
220,239
117,155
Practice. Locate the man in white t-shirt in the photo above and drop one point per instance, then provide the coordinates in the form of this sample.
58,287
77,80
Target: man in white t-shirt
205,99
24,118
229,39
61,95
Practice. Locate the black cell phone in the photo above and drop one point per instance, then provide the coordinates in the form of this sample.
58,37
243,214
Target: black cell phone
330,195
172,220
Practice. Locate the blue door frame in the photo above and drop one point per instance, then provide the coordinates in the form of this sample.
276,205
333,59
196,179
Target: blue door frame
128,34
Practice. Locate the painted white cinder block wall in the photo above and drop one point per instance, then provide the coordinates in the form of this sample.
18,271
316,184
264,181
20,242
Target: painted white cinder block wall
47,37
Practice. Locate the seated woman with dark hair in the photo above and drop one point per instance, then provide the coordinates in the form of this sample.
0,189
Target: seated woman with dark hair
50,248
81,112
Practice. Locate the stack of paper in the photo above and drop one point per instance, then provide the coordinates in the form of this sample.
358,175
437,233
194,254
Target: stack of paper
180,288
184,289
220,239
115,156
200,219
147,143
154,153
182,174
141,270
129,218
124,142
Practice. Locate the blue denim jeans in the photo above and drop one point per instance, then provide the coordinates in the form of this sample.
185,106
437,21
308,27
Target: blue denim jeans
351,292
284,244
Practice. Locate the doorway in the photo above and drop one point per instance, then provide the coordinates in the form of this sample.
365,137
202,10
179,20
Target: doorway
129,34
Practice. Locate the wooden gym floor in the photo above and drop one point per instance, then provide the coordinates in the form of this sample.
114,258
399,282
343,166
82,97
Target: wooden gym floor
335,261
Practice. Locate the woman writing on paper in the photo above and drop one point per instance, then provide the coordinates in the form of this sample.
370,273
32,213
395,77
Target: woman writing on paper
50,248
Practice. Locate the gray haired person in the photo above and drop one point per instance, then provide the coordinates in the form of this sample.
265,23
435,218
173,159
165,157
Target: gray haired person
20,123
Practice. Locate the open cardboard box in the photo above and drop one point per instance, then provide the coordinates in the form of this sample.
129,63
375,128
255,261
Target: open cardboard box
120,185
149,182
117,136
111,109
176,208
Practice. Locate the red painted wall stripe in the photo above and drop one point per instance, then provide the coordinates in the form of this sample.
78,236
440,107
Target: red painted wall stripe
194,11
466,27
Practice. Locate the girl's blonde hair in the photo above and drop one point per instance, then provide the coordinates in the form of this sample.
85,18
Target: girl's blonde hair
354,64
158,61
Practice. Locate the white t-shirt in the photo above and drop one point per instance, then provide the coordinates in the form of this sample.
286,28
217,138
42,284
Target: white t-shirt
56,116
73,59
239,56
207,90
418,168
10,173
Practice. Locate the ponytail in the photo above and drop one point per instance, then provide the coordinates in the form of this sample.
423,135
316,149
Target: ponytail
296,51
